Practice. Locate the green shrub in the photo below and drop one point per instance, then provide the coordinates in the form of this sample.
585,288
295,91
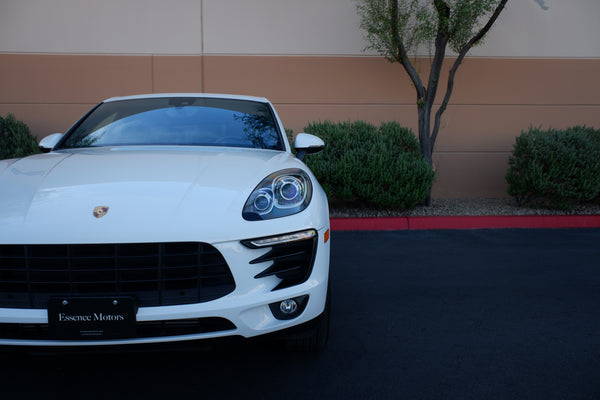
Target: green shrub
381,167
15,139
555,168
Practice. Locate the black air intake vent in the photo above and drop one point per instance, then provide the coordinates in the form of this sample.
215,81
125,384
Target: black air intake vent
291,261
154,274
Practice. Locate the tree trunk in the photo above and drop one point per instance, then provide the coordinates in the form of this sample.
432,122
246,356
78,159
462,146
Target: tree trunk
425,133
425,140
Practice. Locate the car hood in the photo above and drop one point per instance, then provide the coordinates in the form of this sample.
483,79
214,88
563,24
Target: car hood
151,194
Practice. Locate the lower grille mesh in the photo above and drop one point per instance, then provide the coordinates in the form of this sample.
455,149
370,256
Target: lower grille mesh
154,274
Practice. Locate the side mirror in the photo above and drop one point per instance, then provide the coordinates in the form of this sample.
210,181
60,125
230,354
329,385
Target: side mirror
306,143
48,143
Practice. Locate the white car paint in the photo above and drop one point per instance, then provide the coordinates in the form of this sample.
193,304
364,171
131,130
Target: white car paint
164,194
153,191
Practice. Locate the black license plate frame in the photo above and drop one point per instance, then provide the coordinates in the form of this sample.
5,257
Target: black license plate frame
91,318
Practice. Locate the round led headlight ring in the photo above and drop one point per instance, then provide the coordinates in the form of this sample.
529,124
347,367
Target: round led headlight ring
263,201
280,194
289,191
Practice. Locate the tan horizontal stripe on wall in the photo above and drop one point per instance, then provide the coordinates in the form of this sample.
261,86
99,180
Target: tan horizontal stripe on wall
470,175
373,80
45,119
494,98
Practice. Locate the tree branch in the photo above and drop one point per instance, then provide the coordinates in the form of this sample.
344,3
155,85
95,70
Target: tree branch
463,52
402,55
441,40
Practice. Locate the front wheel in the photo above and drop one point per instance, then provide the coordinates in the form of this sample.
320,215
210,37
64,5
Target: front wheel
314,338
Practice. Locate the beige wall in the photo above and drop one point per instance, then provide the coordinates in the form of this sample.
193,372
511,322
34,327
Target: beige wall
494,99
558,29
539,66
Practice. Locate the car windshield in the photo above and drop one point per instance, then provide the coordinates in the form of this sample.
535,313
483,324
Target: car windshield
191,121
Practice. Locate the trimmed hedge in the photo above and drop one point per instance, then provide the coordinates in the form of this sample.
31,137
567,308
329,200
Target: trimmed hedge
380,167
15,139
555,168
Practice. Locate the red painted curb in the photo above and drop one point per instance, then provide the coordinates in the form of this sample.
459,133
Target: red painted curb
369,224
465,222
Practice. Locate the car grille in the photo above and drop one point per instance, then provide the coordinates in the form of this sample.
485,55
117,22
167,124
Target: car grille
154,274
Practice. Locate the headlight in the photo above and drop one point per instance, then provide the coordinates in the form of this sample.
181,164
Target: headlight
280,194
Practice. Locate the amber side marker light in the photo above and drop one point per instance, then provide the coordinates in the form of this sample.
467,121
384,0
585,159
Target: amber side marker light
326,236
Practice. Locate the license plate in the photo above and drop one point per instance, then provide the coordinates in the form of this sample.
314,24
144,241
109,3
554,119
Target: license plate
91,318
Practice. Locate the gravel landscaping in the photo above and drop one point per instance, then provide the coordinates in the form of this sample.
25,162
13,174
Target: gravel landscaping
468,206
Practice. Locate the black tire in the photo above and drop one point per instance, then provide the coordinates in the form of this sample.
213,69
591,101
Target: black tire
314,338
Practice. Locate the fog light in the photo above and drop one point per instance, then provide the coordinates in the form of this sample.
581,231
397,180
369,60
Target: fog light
289,308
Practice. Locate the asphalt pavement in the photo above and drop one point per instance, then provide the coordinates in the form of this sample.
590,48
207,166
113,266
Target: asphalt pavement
426,314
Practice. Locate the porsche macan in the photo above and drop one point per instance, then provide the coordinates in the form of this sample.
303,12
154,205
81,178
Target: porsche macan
163,218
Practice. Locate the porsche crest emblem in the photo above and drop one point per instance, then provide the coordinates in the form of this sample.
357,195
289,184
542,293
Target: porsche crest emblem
100,211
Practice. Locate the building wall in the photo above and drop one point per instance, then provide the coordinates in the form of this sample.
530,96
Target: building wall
60,57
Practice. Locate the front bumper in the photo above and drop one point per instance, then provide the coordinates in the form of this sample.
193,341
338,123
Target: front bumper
244,312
